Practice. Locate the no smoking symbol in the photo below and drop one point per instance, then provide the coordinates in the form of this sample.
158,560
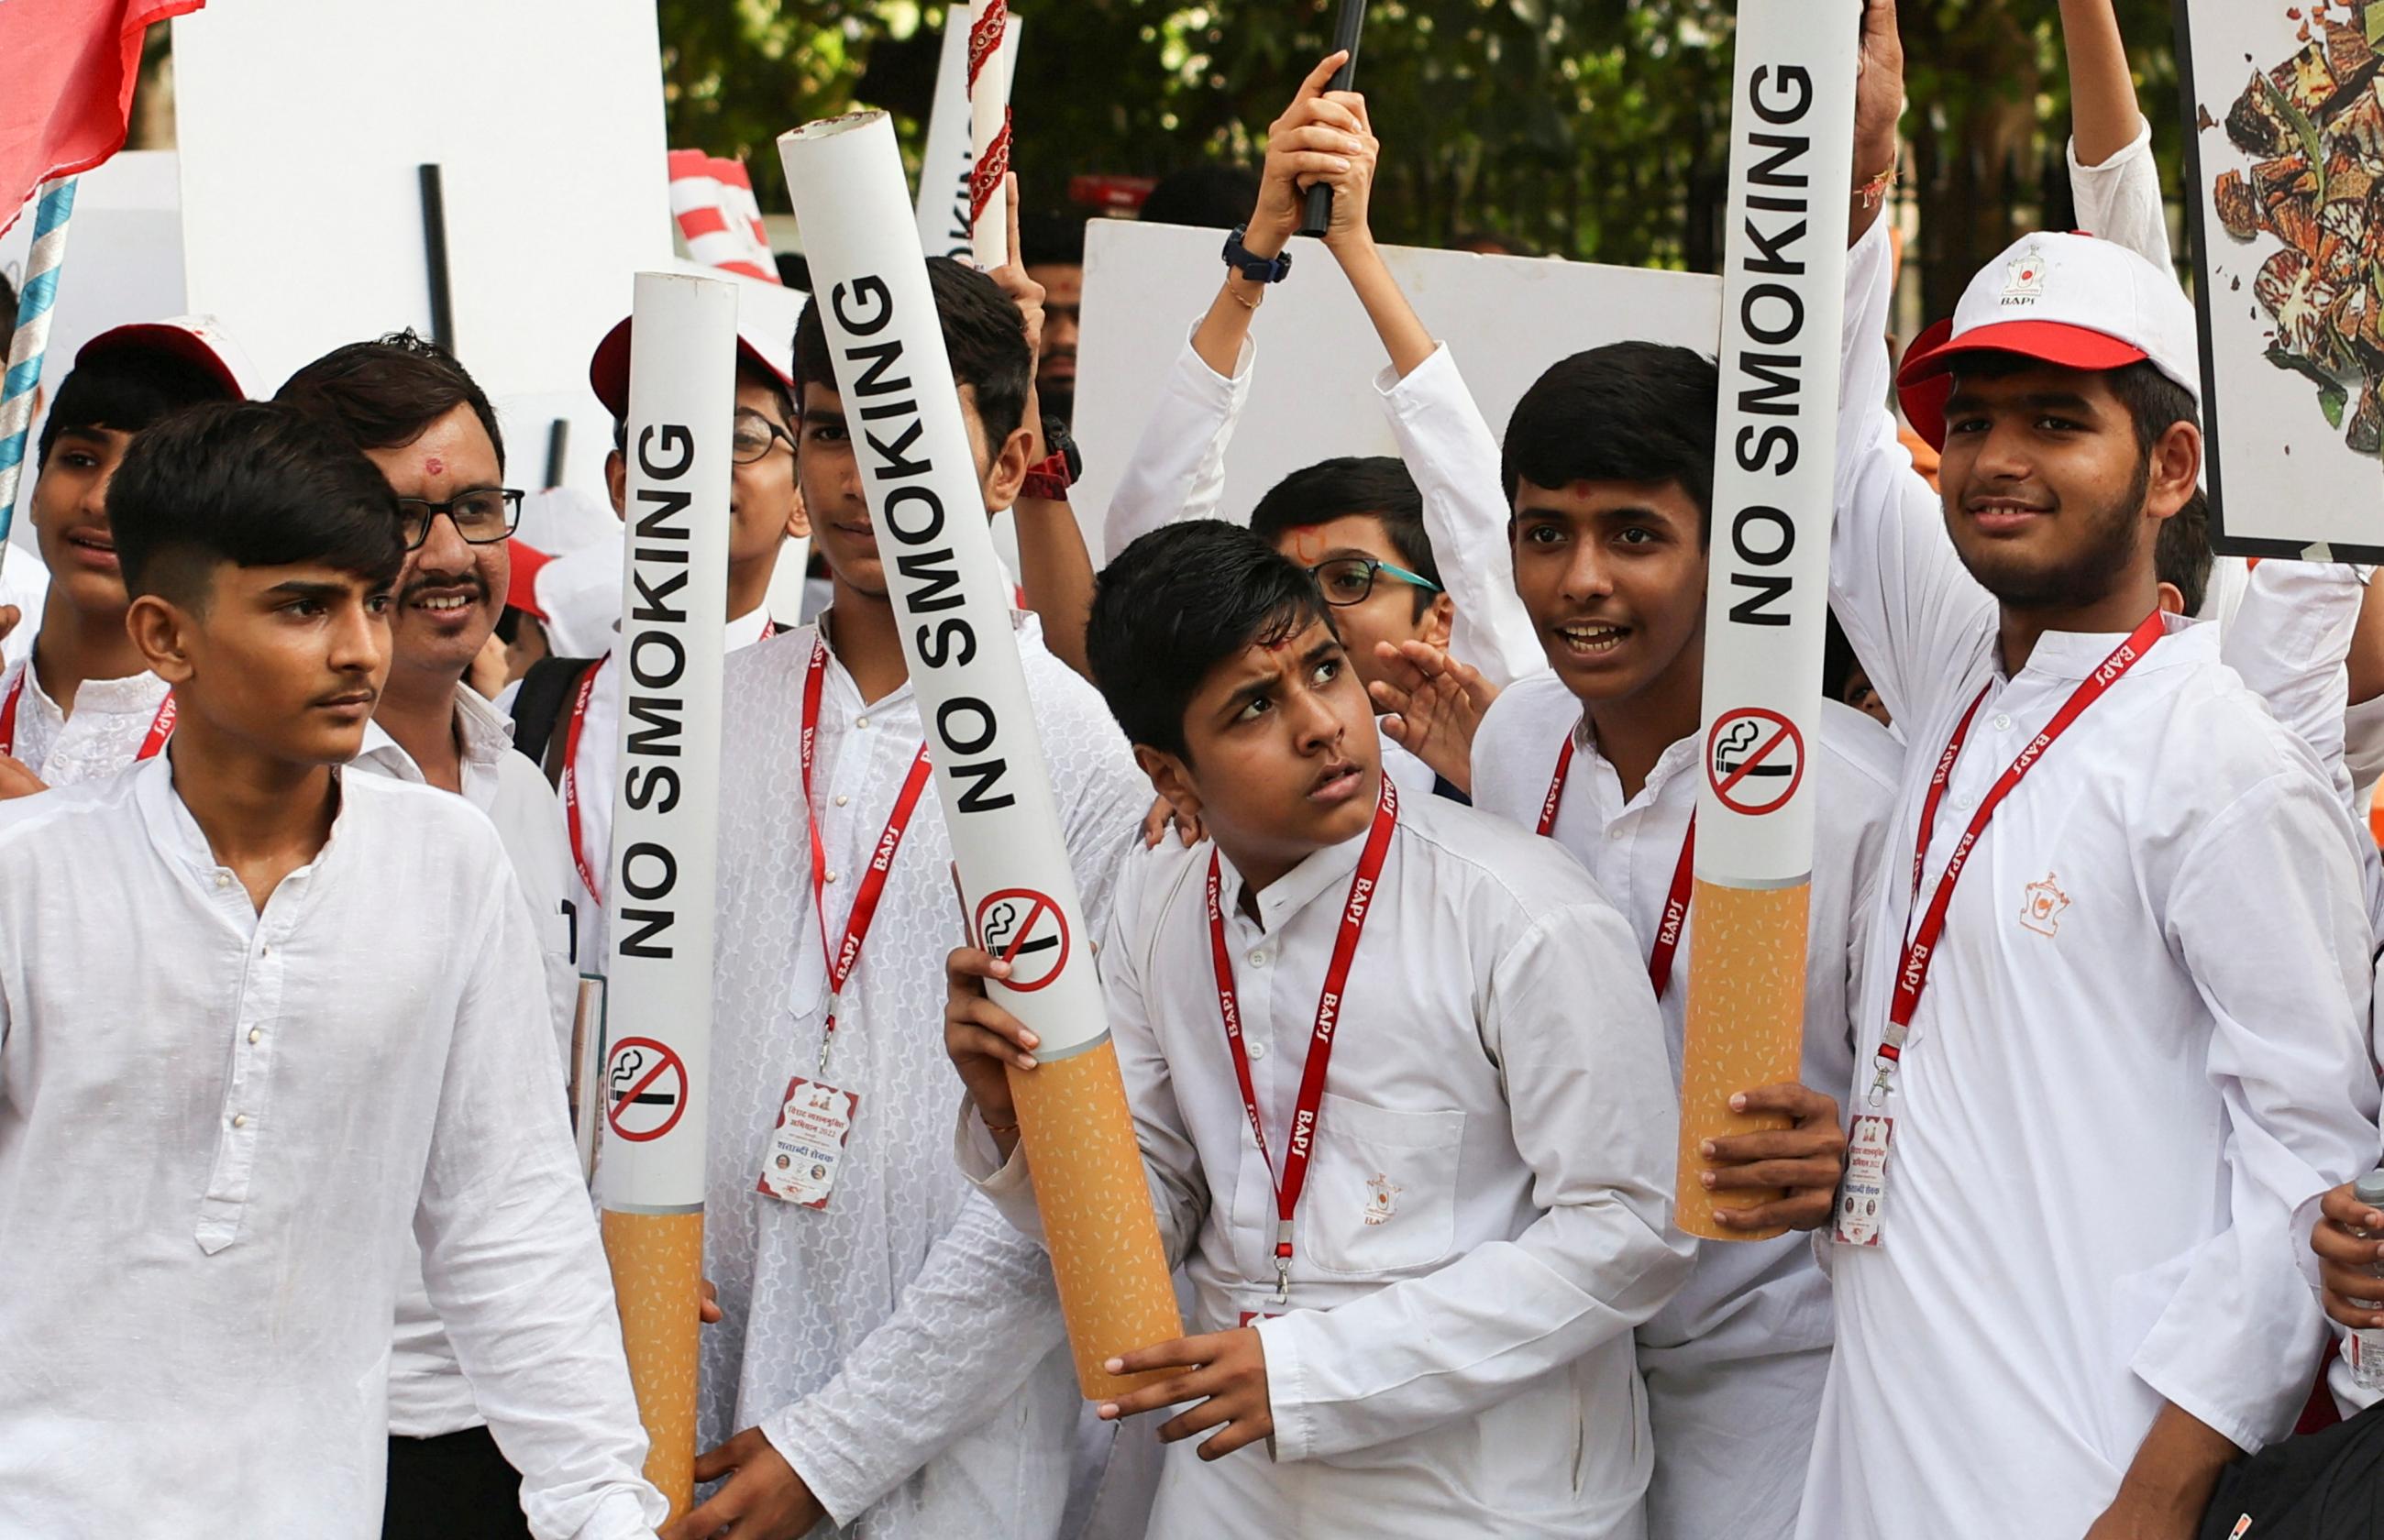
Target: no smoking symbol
1024,929
1754,760
645,1089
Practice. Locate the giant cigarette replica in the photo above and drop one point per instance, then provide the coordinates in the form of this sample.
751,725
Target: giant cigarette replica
945,227
919,476
659,898
989,62
1791,142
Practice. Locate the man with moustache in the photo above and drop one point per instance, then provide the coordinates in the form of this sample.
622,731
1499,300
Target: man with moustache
428,427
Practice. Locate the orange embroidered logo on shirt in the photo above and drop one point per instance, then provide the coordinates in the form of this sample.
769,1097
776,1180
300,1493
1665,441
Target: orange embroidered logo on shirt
2041,906
1381,1198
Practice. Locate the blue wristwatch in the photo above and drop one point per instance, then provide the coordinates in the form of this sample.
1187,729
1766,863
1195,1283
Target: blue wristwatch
1258,269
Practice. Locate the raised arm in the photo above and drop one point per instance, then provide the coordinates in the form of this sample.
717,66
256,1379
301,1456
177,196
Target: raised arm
2111,177
1178,469
1448,447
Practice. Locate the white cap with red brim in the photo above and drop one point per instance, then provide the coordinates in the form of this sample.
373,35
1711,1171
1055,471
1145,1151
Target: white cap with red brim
608,369
2071,300
199,339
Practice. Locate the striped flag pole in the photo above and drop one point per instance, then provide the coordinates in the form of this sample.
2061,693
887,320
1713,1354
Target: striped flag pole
55,207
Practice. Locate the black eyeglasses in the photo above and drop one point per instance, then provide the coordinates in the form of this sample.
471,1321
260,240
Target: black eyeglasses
483,516
751,438
1349,579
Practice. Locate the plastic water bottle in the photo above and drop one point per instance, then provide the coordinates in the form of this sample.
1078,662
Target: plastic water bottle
2367,1349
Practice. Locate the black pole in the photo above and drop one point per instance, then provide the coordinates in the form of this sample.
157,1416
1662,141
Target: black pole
558,438
434,252
1318,216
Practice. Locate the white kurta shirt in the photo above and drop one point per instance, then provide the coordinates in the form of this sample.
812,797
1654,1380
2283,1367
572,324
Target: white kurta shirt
1747,1300
213,1142
900,1347
427,1394
2143,1042
111,720
1486,1216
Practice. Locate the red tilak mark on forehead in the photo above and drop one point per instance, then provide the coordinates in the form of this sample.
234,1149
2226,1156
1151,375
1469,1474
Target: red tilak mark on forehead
434,467
1307,546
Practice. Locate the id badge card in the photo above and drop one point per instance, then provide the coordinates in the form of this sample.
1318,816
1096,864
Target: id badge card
1862,1197
800,1161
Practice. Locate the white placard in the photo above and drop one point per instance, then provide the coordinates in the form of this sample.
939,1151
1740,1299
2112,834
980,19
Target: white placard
1506,319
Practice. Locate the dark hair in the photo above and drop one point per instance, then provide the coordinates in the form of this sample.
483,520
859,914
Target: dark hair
390,391
1626,412
1176,604
1376,486
253,483
1216,197
126,388
984,334
745,369
2182,551
2154,403
1051,238
8,307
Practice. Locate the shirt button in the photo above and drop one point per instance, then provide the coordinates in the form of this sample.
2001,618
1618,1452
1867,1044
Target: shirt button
240,1120
223,879
2003,722
842,800
1615,832
1256,1051
861,721
1257,959
831,876
255,1034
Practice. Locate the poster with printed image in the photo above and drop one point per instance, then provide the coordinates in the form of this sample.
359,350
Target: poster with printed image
2284,195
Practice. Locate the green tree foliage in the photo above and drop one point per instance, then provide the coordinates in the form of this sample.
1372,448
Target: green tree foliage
1590,128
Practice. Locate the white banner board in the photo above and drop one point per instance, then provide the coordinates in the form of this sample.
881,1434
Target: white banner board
1506,319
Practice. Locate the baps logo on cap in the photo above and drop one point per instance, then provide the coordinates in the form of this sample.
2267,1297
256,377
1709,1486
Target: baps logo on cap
2024,283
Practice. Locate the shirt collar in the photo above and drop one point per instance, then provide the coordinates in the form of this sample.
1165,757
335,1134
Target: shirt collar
746,630
2071,657
1677,756
139,692
174,832
487,735
1326,871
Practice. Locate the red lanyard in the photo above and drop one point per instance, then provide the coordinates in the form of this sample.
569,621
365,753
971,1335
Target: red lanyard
1912,973
571,779
161,727
571,762
841,958
1676,901
1360,902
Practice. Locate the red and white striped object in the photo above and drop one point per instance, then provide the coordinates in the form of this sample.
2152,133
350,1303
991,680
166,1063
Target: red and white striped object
713,200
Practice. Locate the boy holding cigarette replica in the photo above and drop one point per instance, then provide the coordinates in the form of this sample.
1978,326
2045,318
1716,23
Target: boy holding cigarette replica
213,1143
1416,1270
82,705
888,1358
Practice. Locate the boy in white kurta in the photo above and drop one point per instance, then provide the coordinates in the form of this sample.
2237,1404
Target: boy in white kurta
1430,1325
2155,950
1613,455
213,1143
889,1363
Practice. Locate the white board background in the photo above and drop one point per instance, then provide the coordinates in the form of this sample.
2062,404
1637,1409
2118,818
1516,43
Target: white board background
124,264
301,125
2284,474
1505,318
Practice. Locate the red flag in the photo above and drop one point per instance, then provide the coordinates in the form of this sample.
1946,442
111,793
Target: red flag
71,65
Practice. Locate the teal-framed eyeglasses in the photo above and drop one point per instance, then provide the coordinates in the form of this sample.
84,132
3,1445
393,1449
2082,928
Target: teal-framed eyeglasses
1349,579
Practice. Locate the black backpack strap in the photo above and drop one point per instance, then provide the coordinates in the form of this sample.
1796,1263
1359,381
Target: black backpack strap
539,706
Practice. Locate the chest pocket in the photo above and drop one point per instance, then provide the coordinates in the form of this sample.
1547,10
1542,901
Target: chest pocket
1382,1193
